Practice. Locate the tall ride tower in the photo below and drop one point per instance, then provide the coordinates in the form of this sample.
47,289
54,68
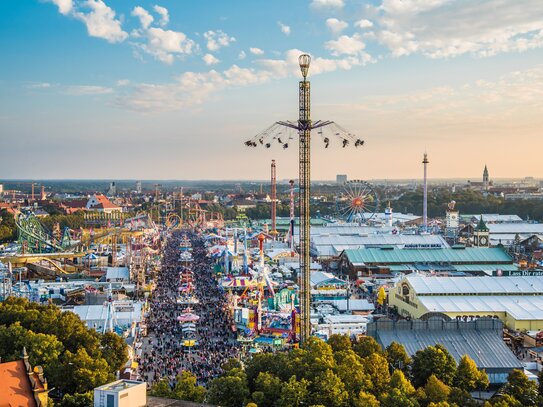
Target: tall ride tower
273,199
425,197
281,132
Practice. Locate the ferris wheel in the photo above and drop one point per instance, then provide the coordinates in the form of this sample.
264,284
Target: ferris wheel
357,202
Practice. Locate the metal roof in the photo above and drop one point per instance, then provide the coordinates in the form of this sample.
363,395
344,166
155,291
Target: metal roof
514,228
485,347
529,285
471,255
520,307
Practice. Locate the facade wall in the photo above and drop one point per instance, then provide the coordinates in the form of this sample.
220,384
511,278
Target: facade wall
410,306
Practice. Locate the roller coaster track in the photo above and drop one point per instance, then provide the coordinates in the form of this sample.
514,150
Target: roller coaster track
35,239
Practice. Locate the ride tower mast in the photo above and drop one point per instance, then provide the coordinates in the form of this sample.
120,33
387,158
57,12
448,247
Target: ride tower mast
283,132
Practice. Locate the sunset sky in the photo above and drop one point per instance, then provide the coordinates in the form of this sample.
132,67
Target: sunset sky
170,89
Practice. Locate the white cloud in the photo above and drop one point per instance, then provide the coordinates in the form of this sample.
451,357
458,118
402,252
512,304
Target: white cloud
101,21
145,18
217,39
164,45
39,85
195,88
335,25
285,29
210,59
64,6
327,3
84,90
363,23
164,15
123,82
442,28
256,51
242,55
345,45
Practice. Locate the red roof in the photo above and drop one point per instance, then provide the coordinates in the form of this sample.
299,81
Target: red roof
105,203
15,385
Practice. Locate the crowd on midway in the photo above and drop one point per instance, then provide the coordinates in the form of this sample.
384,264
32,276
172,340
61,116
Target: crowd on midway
166,355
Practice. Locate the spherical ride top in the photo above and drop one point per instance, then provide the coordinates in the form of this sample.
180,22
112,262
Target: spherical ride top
304,60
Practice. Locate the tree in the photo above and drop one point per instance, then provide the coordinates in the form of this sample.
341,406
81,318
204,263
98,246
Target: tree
365,400
294,393
521,388
506,400
395,398
350,370
318,358
468,377
77,400
399,381
376,366
436,390
80,372
434,360
228,391
114,351
161,388
230,364
397,356
329,390
367,346
381,296
186,388
270,388
461,397
339,343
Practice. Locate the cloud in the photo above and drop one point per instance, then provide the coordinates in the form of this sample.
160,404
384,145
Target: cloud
444,29
285,29
256,51
217,39
165,45
242,55
145,18
64,6
123,82
194,88
210,59
345,45
83,90
335,25
327,3
39,85
164,15
363,23
101,21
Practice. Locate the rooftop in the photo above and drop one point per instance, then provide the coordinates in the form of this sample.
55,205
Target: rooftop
486,285
471,255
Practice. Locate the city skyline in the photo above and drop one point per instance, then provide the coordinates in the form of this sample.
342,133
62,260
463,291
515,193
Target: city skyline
162,90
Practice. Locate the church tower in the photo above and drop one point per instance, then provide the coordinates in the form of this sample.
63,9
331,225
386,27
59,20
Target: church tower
481,235
485,179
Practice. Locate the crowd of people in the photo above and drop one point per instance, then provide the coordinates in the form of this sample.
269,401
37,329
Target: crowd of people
165,353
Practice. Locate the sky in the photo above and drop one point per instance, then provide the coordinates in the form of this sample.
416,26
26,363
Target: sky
171,89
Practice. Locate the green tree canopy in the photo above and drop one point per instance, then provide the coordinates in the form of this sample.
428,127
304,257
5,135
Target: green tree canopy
187,389
434,360
521,388
397,356
468,377
436,391
367,346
